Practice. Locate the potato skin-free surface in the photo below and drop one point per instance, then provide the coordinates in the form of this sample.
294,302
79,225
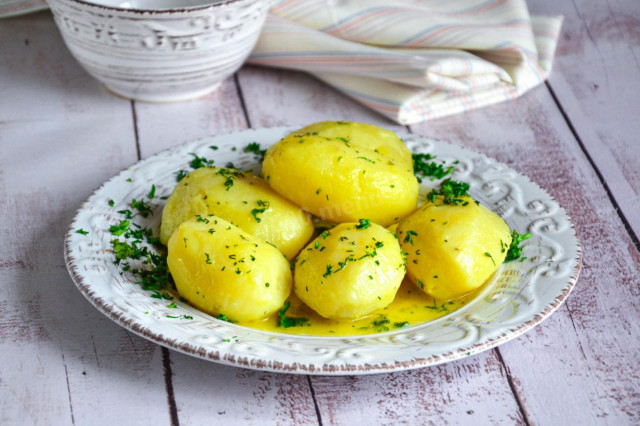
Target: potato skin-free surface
243,199
346,273
374,138
452,250
221,269
341,180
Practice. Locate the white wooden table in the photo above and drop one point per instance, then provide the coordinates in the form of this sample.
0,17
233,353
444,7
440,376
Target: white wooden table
62,135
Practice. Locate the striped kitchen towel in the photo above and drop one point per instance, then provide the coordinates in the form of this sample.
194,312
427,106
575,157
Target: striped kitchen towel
413,60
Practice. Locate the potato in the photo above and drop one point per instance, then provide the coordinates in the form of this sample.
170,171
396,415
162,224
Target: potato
453,249
341,180
363,135
349,271
243,199
221,269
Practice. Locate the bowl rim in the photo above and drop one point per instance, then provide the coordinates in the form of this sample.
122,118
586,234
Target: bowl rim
163,11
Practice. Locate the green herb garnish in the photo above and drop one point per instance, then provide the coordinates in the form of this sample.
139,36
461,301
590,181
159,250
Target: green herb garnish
363,223
422,167
515,251
286,321
199,162
223,317
452,192
119,229
181,175
263,206
144,209
254,148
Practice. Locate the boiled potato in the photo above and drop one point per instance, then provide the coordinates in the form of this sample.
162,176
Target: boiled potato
374,138
243,199
221,269
349,271
340,179
453,249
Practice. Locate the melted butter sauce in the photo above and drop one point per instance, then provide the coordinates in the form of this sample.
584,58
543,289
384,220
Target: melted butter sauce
410,307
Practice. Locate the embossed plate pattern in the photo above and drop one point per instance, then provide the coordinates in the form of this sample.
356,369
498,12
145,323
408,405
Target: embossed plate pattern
517,298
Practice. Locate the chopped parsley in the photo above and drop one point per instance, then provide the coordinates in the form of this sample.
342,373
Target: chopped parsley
254,148
82,232
422,167
223,317
262,207
515,251
328,272
181,174
452,192
119,229
144,209
367,159
486,253
436,308
200,162
286,321
409,237
363,223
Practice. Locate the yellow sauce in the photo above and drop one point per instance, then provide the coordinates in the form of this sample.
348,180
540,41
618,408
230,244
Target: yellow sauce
410,307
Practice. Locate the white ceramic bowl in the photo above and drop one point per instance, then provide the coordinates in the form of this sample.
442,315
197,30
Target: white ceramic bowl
150,51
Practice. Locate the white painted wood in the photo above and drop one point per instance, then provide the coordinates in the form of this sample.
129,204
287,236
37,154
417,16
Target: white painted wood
293,98
161,126
287,98
580,366
204,392
61,135
471,391
209,393
596,78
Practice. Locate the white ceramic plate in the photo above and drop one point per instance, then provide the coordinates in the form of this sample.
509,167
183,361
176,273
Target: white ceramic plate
519,297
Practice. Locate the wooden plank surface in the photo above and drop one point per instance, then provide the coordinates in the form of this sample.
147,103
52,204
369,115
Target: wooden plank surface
61,136
574,346
595,79
206,392
384,398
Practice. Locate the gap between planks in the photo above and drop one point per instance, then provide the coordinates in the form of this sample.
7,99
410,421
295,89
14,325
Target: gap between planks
603,182
166,356
496,350
247,119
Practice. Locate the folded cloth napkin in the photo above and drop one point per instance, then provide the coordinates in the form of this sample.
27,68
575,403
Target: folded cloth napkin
413,60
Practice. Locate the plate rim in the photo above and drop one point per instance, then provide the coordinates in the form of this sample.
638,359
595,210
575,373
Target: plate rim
301,367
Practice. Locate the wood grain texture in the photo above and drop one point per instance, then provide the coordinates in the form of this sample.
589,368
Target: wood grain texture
61,135
456,392
466,392
595,79
287,98
204,392
208,393
161,126
594,341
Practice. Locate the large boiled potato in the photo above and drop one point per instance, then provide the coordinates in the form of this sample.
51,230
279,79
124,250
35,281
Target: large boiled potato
243,199
453,249
221,269
349,271
363,135
340,179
